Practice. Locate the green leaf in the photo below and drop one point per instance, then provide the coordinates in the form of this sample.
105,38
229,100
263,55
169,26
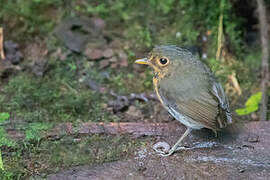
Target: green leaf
254,100
4,116
251,105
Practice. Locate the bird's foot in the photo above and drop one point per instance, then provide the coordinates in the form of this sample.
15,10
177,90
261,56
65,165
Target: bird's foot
163,149
166,154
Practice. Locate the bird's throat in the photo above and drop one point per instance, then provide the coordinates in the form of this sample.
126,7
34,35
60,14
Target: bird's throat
156,80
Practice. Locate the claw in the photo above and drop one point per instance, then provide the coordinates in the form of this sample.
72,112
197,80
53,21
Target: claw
166,154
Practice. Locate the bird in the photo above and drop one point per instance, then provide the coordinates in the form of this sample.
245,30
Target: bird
188,90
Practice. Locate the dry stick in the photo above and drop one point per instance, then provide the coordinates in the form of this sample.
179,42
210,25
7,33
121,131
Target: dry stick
2,55
265,56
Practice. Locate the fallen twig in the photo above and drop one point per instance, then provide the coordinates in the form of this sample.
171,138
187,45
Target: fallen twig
1,44
129,128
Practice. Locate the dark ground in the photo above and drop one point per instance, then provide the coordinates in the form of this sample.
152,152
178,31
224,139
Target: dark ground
235,154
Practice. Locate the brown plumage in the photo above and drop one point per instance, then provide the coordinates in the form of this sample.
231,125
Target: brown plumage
188,90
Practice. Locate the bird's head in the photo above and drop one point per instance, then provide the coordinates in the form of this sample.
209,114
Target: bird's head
164,59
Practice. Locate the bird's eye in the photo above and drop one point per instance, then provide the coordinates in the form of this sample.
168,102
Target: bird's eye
163,61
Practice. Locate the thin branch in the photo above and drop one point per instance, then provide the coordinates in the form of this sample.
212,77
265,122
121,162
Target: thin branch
220,31
265,57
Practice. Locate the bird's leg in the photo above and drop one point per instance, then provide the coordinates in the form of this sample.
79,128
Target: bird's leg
172,150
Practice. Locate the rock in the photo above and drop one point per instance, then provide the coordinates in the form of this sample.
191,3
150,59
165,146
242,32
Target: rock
133,111
123,62
108,53
12,52
122,55
94,50
40,66
92,84
252,138
113,60
104,63
119,104
37,52
76,32
116,44
94,54
99,24
122,59
6,68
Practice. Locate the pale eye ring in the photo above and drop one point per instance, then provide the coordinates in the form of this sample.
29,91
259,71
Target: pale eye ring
163,61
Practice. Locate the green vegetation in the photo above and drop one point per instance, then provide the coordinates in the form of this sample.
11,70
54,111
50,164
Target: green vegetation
4,141
173,21
34,131
63,100
1,162
52,156
35,16
63,94
251,105
3,117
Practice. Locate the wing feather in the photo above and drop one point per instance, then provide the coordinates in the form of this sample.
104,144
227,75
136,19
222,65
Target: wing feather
207,106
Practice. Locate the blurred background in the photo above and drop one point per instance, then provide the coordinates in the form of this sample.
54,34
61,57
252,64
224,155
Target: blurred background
72,62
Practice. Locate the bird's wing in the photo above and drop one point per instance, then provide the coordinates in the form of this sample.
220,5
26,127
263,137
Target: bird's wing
225,114
203,104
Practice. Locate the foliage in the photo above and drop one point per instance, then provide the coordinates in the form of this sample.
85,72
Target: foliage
173,21
1,161
4,141
205,16
6,175
4,116
34,16
251,105
35,130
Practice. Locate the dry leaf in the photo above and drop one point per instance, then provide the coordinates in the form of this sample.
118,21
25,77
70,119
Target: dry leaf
235,83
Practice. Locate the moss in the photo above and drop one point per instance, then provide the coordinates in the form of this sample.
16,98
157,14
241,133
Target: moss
34,131
51,156
64,99
4,140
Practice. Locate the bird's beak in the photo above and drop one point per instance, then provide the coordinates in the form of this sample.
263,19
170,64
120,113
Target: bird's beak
142,61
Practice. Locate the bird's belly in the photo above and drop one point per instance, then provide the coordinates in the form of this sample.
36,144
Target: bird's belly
184,119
